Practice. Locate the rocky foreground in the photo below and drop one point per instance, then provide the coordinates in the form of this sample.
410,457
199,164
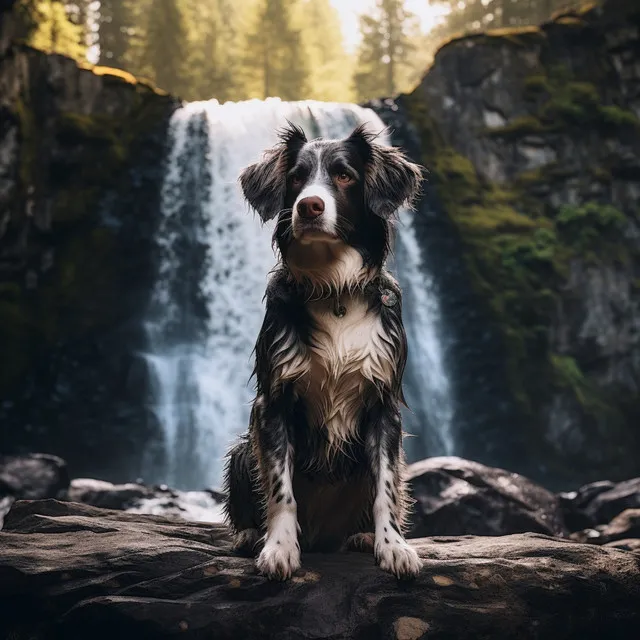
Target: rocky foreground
69,569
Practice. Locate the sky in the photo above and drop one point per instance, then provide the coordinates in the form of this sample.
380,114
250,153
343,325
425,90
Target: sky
349,10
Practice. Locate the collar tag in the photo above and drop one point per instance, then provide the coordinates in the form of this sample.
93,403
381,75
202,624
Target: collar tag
388,297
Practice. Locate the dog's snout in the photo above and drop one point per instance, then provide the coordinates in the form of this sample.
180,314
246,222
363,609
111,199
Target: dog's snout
310,207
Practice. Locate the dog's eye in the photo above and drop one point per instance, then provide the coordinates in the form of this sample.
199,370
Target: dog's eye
296,180
343,178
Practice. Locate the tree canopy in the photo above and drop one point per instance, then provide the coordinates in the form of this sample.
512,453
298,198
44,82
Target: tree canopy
240,49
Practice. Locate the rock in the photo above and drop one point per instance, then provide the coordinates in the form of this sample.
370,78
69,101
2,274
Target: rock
33,476
595,505
30,477
460,497
100,493
627,544
574,503
6,503
193,506
608,504
490,118
624,526
81,166
75,571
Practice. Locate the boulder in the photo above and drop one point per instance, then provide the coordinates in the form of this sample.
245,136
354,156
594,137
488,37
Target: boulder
598,503
628,544
107,495
194,506
6,502
574,503
460,497
33,476
625,526
606,505
74,571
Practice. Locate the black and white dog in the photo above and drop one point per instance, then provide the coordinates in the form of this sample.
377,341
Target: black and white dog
322,464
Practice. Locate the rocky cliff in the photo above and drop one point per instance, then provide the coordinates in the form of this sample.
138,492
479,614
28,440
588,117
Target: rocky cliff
532,138
80,167
530,226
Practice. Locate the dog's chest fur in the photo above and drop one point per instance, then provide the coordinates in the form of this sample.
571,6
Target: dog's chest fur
349,356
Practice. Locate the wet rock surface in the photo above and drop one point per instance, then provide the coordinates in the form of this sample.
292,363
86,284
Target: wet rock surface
532,139
599,502
460,497
76,571
31,477
81,164
193,506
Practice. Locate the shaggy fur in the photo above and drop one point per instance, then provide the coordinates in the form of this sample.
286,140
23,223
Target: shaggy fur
322,464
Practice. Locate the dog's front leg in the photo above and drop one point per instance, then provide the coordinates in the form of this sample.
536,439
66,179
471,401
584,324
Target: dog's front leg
280,556
384,450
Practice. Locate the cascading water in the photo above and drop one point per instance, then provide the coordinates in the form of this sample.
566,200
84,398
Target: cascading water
207,307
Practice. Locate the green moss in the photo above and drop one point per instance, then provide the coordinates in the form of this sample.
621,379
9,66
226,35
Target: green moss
601,174
597,402
29,143
569,376
537,84
518,127
519,252
617,117
569,102
512,251
558,101
83,293
15,346
583,93
593,230
80,293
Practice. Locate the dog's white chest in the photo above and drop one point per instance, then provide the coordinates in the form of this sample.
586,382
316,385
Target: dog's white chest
348,357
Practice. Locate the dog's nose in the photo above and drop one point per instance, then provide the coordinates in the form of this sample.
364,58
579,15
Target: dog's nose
310,207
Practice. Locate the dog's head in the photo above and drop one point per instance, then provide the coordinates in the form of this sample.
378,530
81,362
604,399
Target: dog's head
332,191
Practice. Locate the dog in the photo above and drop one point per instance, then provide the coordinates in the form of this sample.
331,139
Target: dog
322,466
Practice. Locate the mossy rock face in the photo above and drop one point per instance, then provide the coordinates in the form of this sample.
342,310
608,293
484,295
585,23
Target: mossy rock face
546,207
76,259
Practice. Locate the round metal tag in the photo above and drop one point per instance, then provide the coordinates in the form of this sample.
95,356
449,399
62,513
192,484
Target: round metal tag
388,297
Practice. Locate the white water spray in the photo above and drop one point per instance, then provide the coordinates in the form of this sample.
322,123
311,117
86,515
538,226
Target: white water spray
215,255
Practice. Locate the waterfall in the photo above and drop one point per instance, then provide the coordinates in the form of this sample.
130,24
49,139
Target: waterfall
214,258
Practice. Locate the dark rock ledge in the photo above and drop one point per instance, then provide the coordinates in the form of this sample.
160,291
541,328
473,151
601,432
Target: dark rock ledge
74,571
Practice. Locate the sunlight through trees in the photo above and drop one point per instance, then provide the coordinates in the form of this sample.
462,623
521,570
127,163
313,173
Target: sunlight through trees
240,49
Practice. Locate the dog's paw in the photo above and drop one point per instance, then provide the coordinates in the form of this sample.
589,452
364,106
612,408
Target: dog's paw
245,542
398,558
361,542
279,559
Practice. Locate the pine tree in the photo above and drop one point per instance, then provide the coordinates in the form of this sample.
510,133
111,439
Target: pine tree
52,31
329,63
166,45
386,49
113,32
135,37
274,63
214,49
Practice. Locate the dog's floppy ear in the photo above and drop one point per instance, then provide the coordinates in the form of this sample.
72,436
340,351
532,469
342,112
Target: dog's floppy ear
391,180
264,183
